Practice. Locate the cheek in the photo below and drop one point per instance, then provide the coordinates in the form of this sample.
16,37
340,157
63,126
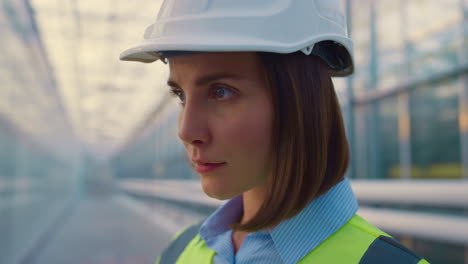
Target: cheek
248,137
250,134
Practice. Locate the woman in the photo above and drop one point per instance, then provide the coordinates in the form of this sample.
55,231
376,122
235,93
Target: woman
262,127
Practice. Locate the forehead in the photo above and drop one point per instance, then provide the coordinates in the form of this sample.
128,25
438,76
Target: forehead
187,67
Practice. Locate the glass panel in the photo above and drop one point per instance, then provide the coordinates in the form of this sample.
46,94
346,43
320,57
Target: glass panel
390,43
389,156
443,14
433,47
435,134
377,143
358,143
360,32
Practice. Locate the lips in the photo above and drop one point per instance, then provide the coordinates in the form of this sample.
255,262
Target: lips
204,167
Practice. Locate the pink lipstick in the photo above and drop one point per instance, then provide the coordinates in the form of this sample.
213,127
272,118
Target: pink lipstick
207,167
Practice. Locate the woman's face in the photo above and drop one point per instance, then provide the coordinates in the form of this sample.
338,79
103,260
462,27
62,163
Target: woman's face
226,119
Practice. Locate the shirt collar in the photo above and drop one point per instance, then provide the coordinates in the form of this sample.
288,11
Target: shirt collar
321,218
219,221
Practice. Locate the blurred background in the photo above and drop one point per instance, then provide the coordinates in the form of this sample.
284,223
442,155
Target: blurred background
91,170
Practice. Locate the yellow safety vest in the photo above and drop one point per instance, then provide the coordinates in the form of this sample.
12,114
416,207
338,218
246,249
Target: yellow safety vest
356,242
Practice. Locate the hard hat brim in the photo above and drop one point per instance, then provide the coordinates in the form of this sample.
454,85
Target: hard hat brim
150,50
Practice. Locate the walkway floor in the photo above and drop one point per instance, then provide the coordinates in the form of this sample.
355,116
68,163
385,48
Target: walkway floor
102,230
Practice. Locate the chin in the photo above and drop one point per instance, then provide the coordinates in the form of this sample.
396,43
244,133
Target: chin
218,190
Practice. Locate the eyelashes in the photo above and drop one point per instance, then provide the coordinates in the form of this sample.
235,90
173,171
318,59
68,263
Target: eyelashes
216,92
179,93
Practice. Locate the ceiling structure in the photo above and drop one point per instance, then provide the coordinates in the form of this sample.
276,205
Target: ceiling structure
103,98
29,102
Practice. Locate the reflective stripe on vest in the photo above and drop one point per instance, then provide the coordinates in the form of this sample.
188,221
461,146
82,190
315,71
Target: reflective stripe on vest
357,242
177,246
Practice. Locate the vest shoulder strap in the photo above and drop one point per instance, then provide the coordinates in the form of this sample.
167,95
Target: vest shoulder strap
386,250
177,246
360,242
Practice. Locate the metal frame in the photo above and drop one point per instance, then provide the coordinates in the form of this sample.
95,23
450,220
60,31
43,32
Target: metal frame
434,193
463,96
445,228
375,95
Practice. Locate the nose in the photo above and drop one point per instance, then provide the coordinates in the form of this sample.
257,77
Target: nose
193,128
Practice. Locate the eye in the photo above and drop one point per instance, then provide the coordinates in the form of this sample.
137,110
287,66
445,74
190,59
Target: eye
178,93
221,92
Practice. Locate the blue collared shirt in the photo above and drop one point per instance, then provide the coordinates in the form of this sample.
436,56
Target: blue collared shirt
288,242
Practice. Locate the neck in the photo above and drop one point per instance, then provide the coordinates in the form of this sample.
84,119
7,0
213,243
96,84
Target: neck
252,200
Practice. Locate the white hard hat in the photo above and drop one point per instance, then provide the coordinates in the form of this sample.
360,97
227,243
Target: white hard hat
281,26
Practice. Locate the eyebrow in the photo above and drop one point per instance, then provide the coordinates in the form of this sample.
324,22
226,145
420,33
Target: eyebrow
208,78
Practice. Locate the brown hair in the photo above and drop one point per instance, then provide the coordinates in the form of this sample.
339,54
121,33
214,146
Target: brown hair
310,149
